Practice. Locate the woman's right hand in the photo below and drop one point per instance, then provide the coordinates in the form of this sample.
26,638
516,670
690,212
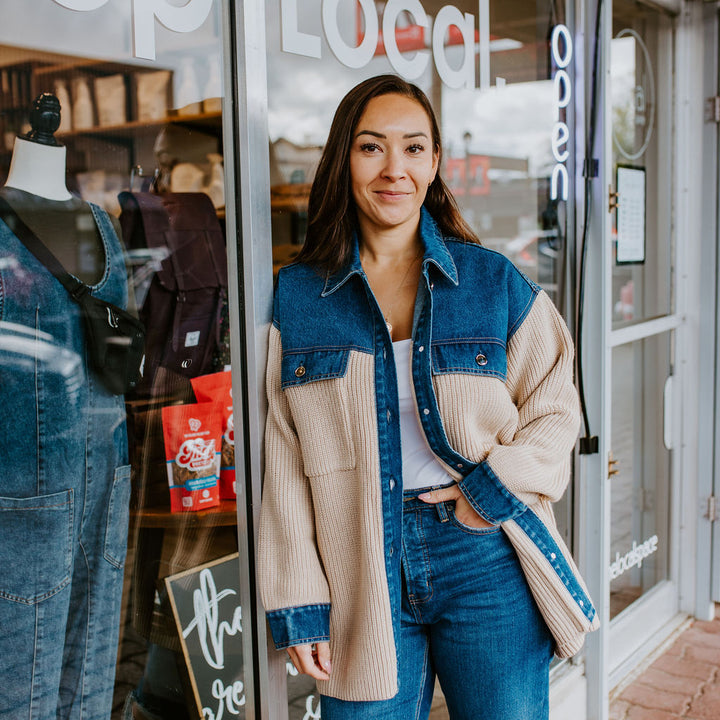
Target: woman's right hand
313,660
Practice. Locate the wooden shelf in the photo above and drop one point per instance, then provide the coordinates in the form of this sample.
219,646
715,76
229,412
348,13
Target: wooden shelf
212,120
224,514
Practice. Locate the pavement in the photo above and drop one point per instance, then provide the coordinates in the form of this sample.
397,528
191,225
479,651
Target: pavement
684,682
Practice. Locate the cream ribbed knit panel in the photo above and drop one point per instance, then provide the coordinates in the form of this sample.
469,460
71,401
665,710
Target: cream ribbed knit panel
524,428
321,534
288,569
348,511
540,381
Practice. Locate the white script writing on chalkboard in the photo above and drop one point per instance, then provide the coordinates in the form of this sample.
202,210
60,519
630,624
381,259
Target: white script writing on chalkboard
231,698
311,713
211,630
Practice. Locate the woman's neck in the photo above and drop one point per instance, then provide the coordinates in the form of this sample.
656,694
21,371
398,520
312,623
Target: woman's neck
392,247
38,169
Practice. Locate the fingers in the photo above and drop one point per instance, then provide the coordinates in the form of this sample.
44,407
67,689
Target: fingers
465,513
312,660
323,656
435,496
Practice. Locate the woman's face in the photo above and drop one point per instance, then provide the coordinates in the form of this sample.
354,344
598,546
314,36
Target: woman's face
392,163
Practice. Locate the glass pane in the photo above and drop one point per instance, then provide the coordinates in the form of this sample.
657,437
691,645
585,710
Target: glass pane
640,542
501,144
642,111
147,555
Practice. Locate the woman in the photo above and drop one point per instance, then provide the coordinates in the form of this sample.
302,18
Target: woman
421,418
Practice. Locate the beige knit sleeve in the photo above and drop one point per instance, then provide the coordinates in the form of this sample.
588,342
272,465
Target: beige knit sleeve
540,381
289,570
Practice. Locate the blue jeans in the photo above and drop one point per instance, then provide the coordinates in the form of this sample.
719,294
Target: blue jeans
468,617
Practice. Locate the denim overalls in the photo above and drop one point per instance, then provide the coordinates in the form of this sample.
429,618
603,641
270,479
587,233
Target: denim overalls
64,494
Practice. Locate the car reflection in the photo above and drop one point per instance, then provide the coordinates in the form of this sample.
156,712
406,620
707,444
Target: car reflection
23,348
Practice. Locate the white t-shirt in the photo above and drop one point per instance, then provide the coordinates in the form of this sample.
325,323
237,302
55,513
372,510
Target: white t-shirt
421,469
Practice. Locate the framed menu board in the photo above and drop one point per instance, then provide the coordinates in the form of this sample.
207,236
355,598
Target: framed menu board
208,616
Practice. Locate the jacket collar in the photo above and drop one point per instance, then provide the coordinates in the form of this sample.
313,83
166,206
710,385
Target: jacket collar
436,253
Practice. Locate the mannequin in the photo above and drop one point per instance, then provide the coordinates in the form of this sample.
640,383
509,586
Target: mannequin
65,485
36,189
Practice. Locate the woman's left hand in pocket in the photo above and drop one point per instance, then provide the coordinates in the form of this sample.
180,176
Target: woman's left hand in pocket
463,510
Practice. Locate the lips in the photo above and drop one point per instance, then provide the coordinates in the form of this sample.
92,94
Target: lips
391,194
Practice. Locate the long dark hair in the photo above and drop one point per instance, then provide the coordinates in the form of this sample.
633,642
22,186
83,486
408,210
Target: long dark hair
331,209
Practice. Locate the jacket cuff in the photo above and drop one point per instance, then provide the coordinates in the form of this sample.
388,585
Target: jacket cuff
490,499
300,625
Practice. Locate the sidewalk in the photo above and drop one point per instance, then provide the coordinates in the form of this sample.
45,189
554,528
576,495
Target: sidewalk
684,682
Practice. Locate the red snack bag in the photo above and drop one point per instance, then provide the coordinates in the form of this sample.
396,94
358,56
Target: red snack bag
192,450
217,387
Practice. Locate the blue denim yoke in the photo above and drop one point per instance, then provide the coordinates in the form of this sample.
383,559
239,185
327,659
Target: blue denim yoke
64,493
456,323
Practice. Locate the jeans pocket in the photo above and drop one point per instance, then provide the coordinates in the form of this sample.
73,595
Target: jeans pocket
116,524
469,528
36,538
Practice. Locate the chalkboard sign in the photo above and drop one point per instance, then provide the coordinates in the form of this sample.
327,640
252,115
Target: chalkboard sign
205,602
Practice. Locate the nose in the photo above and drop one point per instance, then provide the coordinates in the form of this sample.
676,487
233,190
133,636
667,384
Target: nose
394,168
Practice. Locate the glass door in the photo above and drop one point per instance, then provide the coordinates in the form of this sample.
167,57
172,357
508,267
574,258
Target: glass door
640,331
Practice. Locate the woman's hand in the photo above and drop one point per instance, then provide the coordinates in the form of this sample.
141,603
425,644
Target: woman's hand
313,660
463,510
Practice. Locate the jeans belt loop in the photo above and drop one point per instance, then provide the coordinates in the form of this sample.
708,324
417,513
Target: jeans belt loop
442,511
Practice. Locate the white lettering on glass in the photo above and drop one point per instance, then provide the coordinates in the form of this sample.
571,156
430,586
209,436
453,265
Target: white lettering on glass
465,75
562,49
299,43
184,19
409,68
292,40
82,5
352,57
633,557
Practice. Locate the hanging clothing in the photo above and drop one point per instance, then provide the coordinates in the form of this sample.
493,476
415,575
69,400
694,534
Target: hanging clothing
64,491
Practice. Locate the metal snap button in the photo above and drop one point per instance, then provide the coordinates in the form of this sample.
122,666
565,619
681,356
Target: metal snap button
186,363
299,371
480,359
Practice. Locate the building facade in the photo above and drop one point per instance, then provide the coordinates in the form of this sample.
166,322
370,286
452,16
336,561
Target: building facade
581,140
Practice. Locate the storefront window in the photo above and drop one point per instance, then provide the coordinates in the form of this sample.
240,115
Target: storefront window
150,598
642,289
641,92
507,148
640,480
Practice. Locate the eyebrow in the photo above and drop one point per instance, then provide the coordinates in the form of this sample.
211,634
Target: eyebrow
384,137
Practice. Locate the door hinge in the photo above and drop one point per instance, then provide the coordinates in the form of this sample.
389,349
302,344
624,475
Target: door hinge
712,109
613,199
712,509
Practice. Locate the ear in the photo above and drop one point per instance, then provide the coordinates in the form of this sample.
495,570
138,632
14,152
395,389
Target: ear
435,163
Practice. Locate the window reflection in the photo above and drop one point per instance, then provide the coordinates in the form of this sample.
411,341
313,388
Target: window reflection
142,140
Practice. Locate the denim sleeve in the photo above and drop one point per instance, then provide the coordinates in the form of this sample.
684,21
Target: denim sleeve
300,625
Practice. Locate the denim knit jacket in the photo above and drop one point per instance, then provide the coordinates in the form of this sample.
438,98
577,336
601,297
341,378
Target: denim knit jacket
492,366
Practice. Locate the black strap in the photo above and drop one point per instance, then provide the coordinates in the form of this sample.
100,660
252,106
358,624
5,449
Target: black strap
32,242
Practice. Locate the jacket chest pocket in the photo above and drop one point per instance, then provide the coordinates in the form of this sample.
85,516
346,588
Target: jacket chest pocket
316,387
470,356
